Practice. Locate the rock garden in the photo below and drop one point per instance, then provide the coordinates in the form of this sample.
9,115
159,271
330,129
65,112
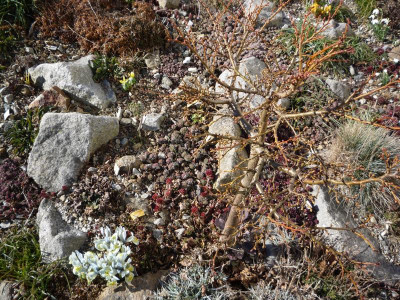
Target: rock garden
199,149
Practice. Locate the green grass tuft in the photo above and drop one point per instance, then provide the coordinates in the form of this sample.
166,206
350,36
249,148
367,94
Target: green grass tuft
365,7
23,134
17,12
20,261
357,52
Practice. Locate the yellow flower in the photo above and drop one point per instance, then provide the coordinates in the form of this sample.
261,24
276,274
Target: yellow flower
327,9
124,80
314,8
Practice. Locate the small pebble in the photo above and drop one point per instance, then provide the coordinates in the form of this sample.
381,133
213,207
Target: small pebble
352,71
8,98
159,222
124,141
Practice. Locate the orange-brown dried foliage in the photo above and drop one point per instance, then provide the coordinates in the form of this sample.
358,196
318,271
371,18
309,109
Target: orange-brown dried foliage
109,27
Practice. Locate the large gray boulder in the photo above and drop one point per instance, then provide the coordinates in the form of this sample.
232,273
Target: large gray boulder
331,214
56,238
268,8
64,144
76,78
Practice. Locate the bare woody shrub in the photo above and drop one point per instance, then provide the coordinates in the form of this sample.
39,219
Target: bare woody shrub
283,161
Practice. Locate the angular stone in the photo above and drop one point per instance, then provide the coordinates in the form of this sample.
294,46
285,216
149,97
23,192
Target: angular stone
333,30
140,288
283,103
395,53
75,78
331,214
64,144
152,60
152,121
224,125
231,163
126,164
252,68
340,89
171,4
256,101
56,238
231,157
52,97
268,9
166,83
6,290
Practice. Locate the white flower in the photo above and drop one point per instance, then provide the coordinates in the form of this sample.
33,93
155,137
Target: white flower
91,276
386,21
395,60
100,245
377,74
385,71
374,22
128,278
112,262
121,233
106,232
375,11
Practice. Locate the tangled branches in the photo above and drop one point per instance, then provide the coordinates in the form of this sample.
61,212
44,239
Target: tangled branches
283,141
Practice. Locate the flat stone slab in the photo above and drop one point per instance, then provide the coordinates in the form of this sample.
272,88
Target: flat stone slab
331,214
64,144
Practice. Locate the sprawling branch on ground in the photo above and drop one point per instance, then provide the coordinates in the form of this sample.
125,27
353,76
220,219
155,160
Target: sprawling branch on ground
293,156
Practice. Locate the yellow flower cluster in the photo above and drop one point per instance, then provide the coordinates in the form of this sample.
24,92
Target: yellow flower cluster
127,83
320,10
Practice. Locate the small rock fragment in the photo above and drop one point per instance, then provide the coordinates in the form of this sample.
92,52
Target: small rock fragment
152,121
166,83
126,164
340,89
52,97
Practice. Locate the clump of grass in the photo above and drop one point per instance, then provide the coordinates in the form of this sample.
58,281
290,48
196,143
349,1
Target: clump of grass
7,42
136,108
366,149
365,7
193,283
23,134
20,261
15,16
356,51
19,12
